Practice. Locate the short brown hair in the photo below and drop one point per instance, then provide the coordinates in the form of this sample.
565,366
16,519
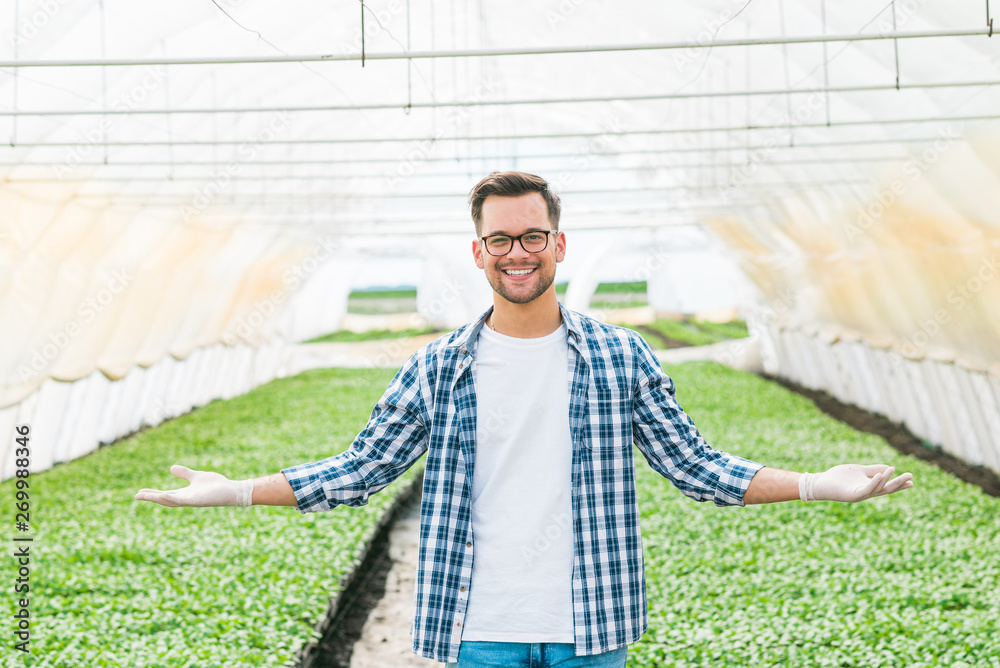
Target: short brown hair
512,184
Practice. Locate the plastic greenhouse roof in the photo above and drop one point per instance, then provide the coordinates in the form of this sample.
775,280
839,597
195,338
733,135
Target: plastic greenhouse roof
138,138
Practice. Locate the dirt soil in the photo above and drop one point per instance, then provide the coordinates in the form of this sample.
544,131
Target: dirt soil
362,592
335,650
898,437
658,339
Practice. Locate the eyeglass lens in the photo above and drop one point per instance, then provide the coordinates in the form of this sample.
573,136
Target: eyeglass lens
533,242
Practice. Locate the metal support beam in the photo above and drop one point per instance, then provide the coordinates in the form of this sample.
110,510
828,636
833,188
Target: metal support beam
553,135
489,53
440,175
183,198
493,103
487,158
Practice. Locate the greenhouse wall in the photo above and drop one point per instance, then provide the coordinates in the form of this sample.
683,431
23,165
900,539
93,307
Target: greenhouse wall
72,419
943,400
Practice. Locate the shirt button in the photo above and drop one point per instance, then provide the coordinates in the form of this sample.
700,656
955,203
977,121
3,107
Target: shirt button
468,544
461,589
458,623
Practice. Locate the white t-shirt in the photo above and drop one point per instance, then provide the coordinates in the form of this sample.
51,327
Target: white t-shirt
522,513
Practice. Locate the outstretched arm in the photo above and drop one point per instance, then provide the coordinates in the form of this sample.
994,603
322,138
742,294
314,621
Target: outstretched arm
393,439
209,489
673,446
846,482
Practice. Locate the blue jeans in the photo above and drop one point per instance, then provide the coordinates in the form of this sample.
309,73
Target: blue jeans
488,654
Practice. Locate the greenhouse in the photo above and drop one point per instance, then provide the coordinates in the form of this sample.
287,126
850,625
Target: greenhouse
228,226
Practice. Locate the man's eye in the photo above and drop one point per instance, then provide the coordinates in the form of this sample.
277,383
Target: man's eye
534,237
498,241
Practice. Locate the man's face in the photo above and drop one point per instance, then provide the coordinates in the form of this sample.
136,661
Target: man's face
533,272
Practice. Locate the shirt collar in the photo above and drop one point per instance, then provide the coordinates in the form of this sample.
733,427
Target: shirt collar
466,339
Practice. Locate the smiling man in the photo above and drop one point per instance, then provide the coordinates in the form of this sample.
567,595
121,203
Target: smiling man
530,551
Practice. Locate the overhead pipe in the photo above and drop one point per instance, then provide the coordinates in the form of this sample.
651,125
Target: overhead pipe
551,135
442,175
391,196
489,53
491,103
487,158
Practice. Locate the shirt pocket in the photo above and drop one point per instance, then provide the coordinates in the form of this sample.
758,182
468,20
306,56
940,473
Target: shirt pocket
610,423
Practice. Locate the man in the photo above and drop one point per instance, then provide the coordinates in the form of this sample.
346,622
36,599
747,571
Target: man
528,417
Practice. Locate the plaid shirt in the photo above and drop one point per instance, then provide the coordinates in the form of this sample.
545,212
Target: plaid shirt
618,394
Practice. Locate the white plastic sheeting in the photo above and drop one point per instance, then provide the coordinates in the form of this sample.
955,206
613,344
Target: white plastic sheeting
70,420
943,401
452,290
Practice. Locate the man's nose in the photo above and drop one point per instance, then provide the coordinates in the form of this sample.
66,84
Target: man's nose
517,251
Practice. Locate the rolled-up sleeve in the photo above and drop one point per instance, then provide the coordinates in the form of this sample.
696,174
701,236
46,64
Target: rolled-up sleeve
394,438
670,442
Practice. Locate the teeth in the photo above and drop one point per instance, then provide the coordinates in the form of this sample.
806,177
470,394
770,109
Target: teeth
517,272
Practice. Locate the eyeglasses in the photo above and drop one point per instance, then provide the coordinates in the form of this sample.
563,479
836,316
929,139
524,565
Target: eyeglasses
498,245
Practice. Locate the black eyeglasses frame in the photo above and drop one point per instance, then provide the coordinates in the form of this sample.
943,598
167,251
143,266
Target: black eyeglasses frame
518,240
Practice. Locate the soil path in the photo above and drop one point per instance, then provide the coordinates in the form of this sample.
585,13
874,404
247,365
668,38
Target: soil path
385,638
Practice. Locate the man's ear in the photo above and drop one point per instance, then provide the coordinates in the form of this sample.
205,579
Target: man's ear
560,246
477,253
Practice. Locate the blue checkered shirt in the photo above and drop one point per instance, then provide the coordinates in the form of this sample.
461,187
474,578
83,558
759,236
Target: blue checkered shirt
618,395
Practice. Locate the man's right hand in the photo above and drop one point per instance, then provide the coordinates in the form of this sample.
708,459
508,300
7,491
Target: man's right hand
207,489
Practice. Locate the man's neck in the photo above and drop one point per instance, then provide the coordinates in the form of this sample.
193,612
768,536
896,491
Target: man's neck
538,318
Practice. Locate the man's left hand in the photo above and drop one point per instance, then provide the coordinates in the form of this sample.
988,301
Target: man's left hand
852,482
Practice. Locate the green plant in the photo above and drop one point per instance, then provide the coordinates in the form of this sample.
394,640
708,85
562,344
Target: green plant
735,329
345,336
128,583
383,294
907,580
637,287
680,331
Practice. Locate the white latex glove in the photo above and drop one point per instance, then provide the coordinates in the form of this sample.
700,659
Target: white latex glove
852,482
207,489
